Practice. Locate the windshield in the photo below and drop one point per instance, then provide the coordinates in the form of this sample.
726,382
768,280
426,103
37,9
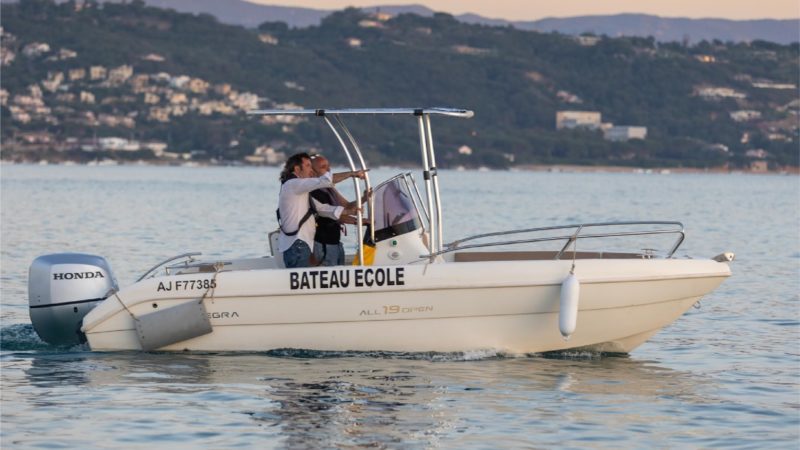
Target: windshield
395,211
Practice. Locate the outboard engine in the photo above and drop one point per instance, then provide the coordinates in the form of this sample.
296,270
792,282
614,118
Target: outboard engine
64,287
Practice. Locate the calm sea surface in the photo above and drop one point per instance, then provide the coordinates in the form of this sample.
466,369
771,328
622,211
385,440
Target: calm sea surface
724,375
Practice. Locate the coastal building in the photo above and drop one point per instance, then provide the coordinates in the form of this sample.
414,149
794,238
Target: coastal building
161,77
112,120
366,23
745,115
568,97
467,50
139,82
178,98
6,56
198,86
153,57
35,49
268,39
119,144
97,73
587,40
87,97
713,93
773,85
245,101
578,119
120,74
19,115
721,148
265,154
151,99
209,108
36,137
53,81
76,74
178,110
381,16
759,166
66,53
624,133
758,153
157,147
705,58
180,81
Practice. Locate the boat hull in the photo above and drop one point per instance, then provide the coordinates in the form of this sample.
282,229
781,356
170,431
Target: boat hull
506,306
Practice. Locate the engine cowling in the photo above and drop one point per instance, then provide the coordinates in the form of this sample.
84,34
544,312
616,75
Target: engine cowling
62,289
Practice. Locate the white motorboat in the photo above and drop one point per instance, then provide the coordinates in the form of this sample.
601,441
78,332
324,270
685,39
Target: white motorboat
406,289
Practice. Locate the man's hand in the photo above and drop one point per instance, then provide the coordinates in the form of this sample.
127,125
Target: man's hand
366,195
351,210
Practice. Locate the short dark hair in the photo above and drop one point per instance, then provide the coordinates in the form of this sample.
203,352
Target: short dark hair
293,161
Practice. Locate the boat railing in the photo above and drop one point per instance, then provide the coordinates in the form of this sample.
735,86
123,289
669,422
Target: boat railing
188,256
576,232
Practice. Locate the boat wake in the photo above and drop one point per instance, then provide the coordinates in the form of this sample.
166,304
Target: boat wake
22,337
472,355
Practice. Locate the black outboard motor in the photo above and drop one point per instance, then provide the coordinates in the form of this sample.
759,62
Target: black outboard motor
64,287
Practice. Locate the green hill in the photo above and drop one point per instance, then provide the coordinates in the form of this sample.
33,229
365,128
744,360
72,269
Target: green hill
705,105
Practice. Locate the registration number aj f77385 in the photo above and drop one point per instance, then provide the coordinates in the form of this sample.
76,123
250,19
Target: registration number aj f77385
186,285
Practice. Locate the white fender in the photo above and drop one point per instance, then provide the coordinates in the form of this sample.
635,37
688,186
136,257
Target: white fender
568,314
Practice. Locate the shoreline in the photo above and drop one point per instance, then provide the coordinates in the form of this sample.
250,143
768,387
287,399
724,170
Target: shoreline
572,168
554,168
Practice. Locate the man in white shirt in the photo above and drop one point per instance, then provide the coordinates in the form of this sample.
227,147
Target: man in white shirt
296,210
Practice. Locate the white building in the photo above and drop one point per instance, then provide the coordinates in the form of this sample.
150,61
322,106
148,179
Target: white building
711,92
575,119
87,97
268,39
744,115
624,133
120,74
587,41
35,49
759,153
119,144
97,72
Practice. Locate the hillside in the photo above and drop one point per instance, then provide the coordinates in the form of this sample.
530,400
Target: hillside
663,29
179,84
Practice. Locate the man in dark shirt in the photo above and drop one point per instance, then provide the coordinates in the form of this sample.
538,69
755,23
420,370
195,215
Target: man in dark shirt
328,248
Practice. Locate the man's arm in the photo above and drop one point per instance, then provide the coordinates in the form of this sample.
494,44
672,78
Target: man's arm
302,185
341,176
333,212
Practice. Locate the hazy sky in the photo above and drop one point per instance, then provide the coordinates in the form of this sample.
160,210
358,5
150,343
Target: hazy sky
538,9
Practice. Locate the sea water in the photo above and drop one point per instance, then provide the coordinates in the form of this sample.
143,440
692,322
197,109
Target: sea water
724,375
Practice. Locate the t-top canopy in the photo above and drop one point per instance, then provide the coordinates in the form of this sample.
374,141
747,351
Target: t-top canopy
453,112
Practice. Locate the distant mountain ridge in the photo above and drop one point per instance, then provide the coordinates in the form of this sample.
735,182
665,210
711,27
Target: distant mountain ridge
663,29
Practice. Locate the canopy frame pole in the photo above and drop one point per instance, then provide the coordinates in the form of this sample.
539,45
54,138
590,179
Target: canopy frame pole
426,175
370,200
356,184
435,180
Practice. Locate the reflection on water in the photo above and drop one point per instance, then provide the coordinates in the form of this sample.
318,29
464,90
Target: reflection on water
324,400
